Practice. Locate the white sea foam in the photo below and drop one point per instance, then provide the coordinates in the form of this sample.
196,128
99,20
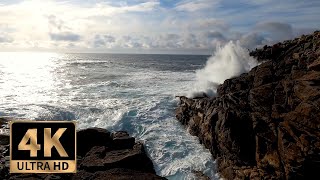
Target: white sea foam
149,117
228,61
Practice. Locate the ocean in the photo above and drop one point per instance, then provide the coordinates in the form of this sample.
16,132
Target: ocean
135,93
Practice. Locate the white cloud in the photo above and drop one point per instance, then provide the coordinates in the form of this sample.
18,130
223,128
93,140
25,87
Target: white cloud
39,22
196,5
212,23
190,26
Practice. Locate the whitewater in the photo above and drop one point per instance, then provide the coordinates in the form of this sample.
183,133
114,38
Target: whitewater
135,93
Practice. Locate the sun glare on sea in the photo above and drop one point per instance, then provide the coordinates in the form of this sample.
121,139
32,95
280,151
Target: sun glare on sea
27,77
25,60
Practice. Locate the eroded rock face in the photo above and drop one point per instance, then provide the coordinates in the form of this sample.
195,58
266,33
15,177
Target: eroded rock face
265,124
101,155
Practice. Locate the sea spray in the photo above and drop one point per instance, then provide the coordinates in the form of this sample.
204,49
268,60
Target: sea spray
228,61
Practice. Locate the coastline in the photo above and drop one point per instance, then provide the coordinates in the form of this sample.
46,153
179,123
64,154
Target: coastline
264,124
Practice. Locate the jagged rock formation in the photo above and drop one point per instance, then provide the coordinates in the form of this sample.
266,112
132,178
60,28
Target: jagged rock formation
101,155
264,124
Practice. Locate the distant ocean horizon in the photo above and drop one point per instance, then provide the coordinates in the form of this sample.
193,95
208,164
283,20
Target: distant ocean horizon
191,53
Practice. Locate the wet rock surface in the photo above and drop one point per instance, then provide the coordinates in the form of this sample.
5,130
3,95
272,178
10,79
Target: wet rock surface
264,124
101,155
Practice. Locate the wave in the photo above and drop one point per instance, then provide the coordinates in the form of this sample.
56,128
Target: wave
174,151
228,61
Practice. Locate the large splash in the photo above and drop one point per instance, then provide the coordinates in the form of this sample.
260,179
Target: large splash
228,61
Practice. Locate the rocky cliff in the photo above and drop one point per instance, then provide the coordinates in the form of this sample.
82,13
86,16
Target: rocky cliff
264,124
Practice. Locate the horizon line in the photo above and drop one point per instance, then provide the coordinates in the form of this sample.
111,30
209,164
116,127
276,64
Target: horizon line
120,53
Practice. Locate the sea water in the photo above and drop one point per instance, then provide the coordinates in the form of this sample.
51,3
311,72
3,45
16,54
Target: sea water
135,93
130,92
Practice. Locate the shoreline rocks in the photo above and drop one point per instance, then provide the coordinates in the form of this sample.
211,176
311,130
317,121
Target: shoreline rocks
100,155
105,155
265,123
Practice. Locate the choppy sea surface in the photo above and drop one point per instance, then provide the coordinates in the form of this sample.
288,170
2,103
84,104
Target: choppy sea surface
135,93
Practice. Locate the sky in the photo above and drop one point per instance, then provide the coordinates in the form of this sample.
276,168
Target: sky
155,26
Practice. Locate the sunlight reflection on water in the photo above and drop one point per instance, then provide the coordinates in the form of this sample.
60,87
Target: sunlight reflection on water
27,77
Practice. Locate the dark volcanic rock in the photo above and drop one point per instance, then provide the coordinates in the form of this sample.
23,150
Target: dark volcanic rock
264,124
112,156
88,138
102,158
122,140
101,155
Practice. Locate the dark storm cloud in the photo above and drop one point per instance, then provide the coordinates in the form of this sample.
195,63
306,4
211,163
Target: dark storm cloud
64,36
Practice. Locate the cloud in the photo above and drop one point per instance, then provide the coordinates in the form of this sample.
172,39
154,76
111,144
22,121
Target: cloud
146,6
54,22
170,37
213,24
252,40
109,39
5,39
135,45
169,40
191,40
103,40
5,36
196,5
214,35
65,36
279,31
180,25
203,41
106,9
300,31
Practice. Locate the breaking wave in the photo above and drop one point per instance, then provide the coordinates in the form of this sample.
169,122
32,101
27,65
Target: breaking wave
228,61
